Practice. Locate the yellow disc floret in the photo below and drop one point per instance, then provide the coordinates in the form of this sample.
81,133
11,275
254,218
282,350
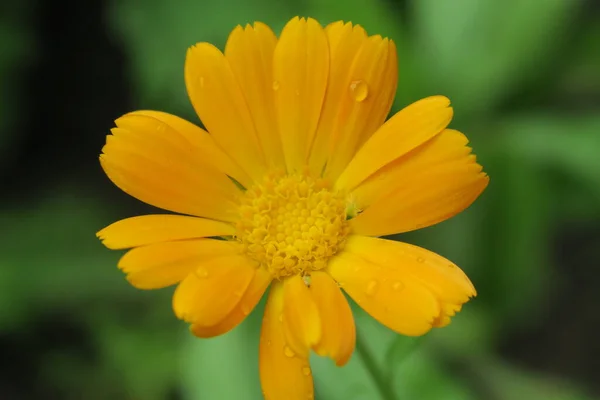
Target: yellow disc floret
292,224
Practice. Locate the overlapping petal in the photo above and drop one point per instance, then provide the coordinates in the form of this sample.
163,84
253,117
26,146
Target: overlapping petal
406,130
219,101
151,161
301,320
257,287
283,373
163,264
250,52
405,287
213,289
338,335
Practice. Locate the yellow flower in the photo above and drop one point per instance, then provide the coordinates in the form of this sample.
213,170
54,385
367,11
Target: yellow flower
290,188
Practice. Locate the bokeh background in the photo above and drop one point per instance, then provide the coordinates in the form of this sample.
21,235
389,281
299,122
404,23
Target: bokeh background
524,78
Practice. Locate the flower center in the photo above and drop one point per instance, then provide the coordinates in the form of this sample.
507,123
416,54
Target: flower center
292,224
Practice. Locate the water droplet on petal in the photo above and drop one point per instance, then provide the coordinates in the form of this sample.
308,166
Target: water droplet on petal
371,288
288,352
245,309
268,342
420,259
276,85
201,81
201,273
451,265
397,286
359,90
280,317
306,371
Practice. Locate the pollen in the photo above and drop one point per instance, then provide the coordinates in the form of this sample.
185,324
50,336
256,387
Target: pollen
292,224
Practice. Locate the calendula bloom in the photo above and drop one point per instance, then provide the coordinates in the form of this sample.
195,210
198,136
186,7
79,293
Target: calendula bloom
292,184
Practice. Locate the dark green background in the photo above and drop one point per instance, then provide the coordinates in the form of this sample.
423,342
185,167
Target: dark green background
524,78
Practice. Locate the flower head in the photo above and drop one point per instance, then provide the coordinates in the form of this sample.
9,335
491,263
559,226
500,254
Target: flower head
289,187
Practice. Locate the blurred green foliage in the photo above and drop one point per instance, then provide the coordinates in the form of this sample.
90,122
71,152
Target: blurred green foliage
512,69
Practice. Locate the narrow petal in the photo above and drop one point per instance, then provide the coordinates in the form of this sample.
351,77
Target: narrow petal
300,71
203,143
362,87
338,335
259,283
219,101
423,200
163,264
250,51
400,303
301,322
149,160
283,374
207,295
406,130
149,229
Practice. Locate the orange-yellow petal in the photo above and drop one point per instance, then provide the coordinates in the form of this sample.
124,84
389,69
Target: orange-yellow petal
219,101
406,130
203,143
259,283
338,335
250,51
208,294
367,86
344,42
448,147
441,276
149,229
423,200
397,301
283,374
300,72
301,322
163,264
149,160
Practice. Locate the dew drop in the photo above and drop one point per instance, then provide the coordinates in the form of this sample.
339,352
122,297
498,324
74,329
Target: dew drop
201,273
397,286
288,352
306,371
268,342
420,260
245,309
276,85
372,288
280,317
359,90
201,81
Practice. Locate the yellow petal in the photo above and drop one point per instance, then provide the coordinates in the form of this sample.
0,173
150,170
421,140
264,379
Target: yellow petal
250,51
149,160
259,283
164,264
207,295
149,229
442,150
283,374
406,130
203,143
344,42
300,72
219,101
301,323
400,303
366,88
423,200
442,277
338,335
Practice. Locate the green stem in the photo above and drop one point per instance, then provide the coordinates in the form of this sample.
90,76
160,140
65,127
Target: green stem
385,389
